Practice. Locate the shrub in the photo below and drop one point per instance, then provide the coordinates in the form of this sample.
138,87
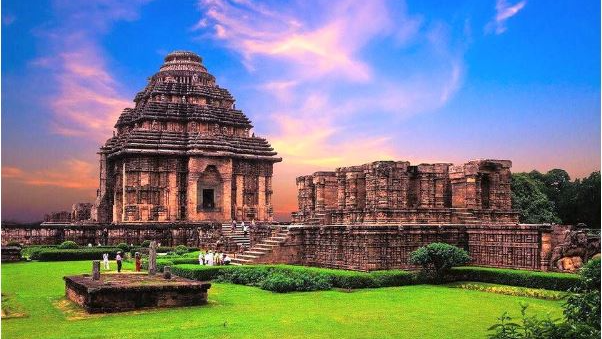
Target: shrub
145,243
584,305
198,272
68,245
287,278
438,258
282,282
13,243
181,249
545,280
394,278
123,247
57,254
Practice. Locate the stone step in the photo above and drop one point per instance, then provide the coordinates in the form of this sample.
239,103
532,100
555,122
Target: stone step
255,252
247,256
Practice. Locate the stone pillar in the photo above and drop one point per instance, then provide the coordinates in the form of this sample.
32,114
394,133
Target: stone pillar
96,270
261,199
172,202
152,258
240,188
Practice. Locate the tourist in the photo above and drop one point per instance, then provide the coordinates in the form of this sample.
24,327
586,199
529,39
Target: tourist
138,262
105,260
253,223
227,260
118,259
89,244
209,258
216,258
245,229
233,229
201,258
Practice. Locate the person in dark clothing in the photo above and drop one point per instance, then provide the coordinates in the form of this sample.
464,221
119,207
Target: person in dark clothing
118,259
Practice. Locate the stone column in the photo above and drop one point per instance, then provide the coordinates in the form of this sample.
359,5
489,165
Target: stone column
261,198
152,258
172,203
240,188
96,270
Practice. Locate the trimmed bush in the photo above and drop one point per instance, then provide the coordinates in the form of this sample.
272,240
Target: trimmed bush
68,245
197,272
181,249
438,258
13,244
124,247
533,279
145,243
281,282
57,254
395,278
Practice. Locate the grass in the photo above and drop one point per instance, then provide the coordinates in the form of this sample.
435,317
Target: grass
235,311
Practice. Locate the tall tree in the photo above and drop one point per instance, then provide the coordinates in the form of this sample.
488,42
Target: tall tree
531,202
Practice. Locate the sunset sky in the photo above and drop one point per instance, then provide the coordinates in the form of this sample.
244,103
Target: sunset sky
328,83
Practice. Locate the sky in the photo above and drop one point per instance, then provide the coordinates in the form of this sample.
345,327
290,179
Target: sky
329,83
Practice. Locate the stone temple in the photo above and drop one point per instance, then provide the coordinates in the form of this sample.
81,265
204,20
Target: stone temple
184,153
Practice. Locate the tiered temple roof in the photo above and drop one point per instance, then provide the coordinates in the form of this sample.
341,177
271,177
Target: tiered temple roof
183,112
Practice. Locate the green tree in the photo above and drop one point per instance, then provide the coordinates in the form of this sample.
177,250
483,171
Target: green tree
530,200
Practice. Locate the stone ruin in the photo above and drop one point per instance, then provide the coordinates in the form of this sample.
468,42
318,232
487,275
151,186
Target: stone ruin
397,192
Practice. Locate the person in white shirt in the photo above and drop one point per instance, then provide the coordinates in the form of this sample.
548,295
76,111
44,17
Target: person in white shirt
227,260
105,260
209,259
201,258
245,229
118,258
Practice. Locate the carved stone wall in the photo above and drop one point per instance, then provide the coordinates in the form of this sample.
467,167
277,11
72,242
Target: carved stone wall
379,247
203,235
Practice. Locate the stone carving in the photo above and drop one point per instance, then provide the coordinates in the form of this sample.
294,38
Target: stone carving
575,249
152,258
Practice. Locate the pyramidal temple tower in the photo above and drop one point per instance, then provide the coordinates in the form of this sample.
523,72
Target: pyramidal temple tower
184,153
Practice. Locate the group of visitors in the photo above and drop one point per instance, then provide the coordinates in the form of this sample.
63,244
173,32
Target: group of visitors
211,258
243,226
119,261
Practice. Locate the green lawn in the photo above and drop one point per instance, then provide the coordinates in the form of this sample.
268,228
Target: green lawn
423,311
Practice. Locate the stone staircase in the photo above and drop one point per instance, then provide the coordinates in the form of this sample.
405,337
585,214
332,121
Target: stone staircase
237,236
256,253
465,217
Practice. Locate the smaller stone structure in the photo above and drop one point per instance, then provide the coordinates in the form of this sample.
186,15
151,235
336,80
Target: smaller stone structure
396,192
125,292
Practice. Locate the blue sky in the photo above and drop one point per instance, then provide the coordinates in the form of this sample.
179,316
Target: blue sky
329,83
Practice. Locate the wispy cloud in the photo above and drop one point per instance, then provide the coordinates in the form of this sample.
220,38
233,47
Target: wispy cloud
73,174
87,99
503,12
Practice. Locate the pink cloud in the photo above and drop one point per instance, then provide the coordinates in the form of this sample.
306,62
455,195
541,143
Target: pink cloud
314,50
73,174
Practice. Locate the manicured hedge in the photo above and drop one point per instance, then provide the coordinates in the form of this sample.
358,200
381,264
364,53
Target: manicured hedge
85,253
533,279
197,272
170,262
286,278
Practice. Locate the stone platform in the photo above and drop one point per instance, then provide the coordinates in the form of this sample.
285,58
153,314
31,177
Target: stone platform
125,292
